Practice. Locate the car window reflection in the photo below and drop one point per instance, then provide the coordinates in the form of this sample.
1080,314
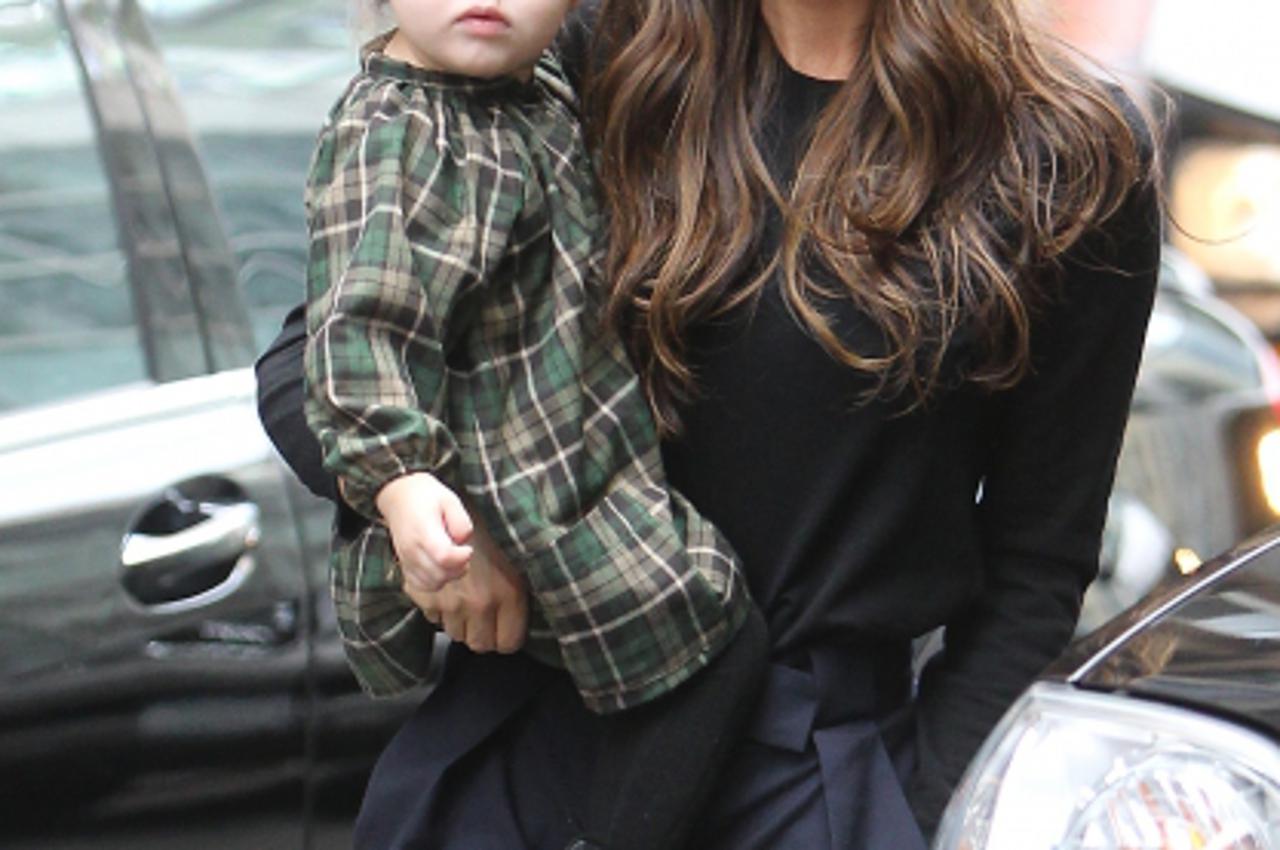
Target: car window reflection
256,80
67,324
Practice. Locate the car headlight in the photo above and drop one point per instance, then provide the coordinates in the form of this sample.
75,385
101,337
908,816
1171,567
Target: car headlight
1074,770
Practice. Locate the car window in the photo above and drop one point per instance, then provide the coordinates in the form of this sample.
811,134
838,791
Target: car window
67,323
257,80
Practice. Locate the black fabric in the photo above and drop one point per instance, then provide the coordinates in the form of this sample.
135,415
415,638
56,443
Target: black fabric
825,760
659,763
494,759
573,44
280,389
859,521
497,759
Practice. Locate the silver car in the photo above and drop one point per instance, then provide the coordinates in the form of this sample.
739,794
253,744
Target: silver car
169,672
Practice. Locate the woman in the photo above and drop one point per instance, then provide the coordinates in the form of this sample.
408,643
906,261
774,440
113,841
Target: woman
885,268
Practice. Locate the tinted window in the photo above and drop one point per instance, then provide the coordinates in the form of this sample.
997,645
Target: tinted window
257,80
66,319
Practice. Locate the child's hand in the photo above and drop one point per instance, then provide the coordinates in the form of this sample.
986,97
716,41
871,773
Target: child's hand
429,527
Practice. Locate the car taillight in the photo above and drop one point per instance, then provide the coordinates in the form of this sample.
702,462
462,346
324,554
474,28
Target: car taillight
1269,368
1267,449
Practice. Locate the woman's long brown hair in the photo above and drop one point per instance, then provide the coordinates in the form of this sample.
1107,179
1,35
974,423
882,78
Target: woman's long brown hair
963,156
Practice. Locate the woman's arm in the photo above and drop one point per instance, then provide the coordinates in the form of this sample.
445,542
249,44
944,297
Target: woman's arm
1053,444
280,399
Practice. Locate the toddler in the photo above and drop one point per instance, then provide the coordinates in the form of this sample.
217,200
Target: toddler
457,363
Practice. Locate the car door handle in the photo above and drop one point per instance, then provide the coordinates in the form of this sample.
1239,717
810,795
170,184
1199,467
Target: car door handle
208,555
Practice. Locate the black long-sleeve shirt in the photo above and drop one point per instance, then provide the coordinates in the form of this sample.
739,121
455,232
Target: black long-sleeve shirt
980,512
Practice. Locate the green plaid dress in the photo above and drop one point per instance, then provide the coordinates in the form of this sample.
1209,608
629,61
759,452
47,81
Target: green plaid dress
454,326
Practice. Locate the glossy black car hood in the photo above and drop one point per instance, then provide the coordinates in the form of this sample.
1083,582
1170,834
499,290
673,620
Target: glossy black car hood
1210,640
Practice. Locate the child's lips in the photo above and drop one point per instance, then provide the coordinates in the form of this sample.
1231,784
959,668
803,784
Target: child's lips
484,20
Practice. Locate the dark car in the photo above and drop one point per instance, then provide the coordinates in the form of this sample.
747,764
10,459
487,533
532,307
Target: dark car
170,674
1161,730
1200,465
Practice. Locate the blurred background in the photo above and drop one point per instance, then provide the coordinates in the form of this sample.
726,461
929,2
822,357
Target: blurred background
1219,63
256,78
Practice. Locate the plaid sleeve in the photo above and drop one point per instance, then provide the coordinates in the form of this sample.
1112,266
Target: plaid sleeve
395,242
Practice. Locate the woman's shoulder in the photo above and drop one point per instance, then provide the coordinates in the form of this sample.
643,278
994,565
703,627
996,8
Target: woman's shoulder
1139,198
1133,107
574,43
1095,159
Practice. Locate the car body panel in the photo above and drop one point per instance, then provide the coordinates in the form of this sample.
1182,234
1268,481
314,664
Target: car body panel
1209,640
171,673
113,703
155,611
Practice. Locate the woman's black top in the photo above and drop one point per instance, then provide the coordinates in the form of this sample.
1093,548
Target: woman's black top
981,512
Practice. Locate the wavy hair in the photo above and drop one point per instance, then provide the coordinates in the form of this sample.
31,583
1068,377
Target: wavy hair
964,155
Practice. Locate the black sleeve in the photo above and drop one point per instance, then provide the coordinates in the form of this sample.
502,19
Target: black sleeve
1053,442
280,391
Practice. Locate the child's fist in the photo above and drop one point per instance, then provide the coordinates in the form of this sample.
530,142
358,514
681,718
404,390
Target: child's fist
429,529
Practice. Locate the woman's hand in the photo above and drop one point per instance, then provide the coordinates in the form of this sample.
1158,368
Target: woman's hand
487,608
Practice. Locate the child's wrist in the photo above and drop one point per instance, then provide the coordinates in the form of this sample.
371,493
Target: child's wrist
400,491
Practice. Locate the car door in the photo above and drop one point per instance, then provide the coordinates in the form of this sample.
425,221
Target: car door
256,80
154,612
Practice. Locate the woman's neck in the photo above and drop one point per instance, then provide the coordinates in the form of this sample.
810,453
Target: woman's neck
818,38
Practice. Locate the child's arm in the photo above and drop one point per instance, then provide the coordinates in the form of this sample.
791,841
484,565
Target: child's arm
396,243
488,608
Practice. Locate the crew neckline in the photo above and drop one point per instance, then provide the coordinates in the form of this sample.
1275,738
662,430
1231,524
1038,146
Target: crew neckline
792,72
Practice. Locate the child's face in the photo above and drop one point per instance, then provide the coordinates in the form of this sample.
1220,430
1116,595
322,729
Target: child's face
479,38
